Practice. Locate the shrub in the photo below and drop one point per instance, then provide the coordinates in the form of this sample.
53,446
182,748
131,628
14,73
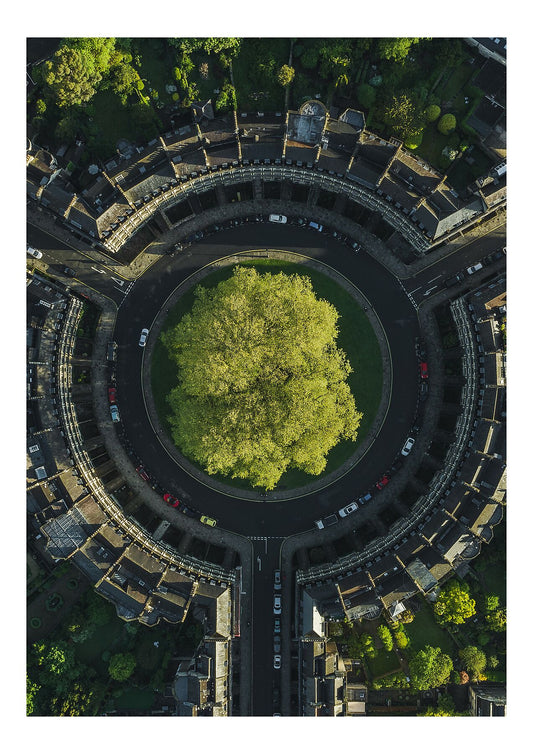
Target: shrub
447,124
432,113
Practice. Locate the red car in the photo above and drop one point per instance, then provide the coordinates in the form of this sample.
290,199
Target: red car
171,500
142,473
424,370
382,482
112,394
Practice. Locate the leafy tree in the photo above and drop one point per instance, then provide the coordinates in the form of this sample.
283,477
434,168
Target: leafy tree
497,620
121,666
386,638
445,708
395,48
429,668
335,57
366,95
40,106
309,59
490,603
80,700
285,75
403,115
227,99
56,664
32,689
401,638
454,604
262,384
473,660
432,113
124,80
70,77
492,662
447,124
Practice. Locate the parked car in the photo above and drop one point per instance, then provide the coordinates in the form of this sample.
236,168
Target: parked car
382,482
316,226
277,662
112,394
113,410
208,521
171,500
365,498
188,511
277,218
277,604
277,644
474,268
408,446
277,626
144,336
277,579
348,509
455,280
424,390
34,252
142,473
68,271
424,370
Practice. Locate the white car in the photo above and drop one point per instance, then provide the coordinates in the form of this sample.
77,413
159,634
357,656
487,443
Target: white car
144,336
474,268
34,252
348,509
277,218
277,604
113,410
277,662
408,446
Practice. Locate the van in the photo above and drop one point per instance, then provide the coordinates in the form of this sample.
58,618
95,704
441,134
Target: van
316,226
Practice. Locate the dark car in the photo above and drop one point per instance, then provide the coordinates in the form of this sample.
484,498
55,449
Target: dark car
382,482
188,511
455,280
68,271
142,473
424,389
171,500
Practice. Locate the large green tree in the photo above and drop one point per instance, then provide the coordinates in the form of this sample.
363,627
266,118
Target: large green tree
262,385
429,668
121,666
454,604
76,68
473,660
395,48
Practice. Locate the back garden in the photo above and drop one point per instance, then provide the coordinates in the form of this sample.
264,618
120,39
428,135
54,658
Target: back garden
421,90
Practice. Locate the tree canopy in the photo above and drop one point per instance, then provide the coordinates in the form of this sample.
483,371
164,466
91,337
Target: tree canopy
454,604
261,382
429,668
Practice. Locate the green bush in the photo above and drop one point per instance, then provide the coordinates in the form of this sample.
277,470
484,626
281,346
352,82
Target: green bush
432,113
447,124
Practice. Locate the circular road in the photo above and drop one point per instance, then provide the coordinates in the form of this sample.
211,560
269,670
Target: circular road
268,517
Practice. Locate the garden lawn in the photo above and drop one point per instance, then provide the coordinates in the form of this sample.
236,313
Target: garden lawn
132,698
356,338
383,663
425,630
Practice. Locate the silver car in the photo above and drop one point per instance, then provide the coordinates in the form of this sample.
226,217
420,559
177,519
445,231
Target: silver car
144,336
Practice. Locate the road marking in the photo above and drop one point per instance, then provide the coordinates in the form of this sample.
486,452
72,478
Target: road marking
433,279
121,282
430,289
259,562
97,270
